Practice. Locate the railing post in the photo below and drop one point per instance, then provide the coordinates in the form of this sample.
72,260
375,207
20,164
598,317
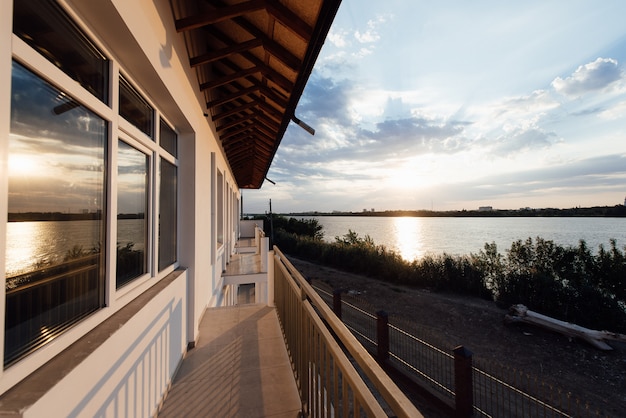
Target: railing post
337,302
382,335
265,246
463,386
270,278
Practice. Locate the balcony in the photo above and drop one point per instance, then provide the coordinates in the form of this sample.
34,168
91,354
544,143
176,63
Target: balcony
239,367
292,358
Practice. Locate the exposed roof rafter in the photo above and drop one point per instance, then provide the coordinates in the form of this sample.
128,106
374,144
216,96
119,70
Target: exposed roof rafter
252,59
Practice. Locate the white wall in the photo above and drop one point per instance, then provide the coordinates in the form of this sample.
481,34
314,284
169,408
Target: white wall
130,372
247,227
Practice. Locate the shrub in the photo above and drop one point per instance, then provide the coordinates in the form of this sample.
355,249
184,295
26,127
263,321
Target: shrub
568,283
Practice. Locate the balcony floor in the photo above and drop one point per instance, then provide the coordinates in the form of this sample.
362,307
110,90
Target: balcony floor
239,368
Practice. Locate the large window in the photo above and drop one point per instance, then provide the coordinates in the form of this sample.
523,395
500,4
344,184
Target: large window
55,233
168,139
58,266
46,28
220,207
168,187
135,109
167,214
132,209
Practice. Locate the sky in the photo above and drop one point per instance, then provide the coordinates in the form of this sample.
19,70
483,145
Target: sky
56,147
453,105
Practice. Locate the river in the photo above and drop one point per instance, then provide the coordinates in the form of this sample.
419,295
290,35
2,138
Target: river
29,243
414,237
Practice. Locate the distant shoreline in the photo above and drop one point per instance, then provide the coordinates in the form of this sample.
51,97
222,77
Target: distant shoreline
617,211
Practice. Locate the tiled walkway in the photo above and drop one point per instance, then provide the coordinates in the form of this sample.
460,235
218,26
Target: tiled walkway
239,368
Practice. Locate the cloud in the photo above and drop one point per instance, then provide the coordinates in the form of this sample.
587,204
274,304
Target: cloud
576,177
411,136
615,112
338,37
593,76
523,140
371,34
327,98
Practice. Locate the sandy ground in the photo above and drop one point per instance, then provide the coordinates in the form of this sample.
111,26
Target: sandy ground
592,376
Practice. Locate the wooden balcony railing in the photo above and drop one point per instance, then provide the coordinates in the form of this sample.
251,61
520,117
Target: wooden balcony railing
328,382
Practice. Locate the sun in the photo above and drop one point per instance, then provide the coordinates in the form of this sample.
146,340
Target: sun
24,165
407,176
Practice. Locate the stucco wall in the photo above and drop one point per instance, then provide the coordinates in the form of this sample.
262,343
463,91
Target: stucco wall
130,372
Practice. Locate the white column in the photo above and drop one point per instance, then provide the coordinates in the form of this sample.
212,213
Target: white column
270,278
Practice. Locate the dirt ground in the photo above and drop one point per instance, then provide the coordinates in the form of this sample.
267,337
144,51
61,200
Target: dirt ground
593,376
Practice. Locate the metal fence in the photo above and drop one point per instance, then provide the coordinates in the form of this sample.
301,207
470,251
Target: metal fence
494,390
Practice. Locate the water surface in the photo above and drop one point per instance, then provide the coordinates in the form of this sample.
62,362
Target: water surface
414,237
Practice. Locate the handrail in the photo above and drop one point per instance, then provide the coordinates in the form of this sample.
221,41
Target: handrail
393,396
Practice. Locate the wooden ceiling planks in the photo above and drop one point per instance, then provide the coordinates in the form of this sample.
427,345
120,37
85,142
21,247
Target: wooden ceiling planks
252,59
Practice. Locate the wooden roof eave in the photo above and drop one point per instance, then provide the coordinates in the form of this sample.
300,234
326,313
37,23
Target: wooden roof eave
253,72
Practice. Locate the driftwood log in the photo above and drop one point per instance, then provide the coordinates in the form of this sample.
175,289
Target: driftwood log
521,314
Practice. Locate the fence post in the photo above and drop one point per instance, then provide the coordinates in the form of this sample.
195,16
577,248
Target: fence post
382,335
463,386
337,302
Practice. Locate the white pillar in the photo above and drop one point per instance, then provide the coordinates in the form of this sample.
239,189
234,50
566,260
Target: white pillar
265,246
270,278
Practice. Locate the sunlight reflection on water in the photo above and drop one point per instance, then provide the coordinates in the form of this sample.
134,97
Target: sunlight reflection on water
32,243
408,237
416,237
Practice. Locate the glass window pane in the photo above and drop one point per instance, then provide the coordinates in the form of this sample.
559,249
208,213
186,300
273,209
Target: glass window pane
220,207
135,109
167,215
55,233
45,27
132,208
169,139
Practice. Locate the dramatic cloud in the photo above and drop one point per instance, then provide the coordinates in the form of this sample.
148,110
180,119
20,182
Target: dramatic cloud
594,76
412,136
431,108
327,98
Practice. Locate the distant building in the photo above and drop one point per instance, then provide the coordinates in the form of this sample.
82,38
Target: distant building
485,208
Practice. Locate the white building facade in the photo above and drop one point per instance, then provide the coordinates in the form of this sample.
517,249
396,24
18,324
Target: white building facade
105,132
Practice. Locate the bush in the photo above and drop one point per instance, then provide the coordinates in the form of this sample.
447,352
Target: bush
568,283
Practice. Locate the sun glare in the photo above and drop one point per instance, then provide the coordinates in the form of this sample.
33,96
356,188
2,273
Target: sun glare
24,165
406,177
408,237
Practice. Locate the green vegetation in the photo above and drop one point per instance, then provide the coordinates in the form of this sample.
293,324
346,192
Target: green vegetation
568,283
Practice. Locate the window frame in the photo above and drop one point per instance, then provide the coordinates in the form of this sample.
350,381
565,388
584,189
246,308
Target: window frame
78,276
118,128
149,215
